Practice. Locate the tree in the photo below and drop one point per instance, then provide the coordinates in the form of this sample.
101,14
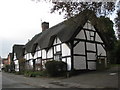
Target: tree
107,30
117,20
72,8
117,52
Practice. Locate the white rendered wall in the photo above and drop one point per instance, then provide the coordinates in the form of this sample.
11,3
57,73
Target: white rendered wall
79,62
37,54
43,54
50,53
79,48
91,56
91,46
31,63
89,26
29,56
65,50
101,50
16,65
14,56
92,65
56,41
98,39
81,35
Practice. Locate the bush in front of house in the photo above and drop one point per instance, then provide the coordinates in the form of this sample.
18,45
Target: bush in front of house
7,68
35,73
56,68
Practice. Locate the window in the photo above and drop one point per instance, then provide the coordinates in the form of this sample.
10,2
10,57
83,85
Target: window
91,35
58,56
57,49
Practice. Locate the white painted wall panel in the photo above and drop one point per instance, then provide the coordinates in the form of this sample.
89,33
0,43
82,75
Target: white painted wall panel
101,50
68,63
15,56
64,59
58,48
56,41
86,25
16,65
35,55
54,49
88,35
91,56
92,65
91,46
89,26
39,53
43,54
16,62
31,63
92,27
79,62
81,35
25,57
43,63
98,39
38,48
50,53
29,56
65,50
79,48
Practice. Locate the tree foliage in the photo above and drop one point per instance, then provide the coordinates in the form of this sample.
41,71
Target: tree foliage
107,30
117,20
117,52
72,8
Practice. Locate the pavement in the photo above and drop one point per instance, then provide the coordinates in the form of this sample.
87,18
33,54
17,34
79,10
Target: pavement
94,79
0,80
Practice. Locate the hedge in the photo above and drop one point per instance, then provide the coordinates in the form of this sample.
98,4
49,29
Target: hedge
56,68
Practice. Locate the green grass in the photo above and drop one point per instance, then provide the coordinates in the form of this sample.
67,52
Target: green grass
113,65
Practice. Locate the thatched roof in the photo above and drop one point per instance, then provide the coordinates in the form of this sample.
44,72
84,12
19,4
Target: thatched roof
11,56
18,49
65,31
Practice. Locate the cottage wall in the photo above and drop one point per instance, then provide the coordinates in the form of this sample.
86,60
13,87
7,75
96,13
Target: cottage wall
29,60
88,47
58,51
16,62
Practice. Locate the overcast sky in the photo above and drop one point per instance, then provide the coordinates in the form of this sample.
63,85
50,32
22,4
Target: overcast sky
20,20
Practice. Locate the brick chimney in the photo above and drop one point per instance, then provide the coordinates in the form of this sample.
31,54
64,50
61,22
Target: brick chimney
44,25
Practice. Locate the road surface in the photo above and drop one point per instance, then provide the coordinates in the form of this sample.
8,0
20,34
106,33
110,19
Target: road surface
10,82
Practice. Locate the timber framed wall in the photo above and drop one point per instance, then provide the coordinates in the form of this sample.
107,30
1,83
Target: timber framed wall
88,46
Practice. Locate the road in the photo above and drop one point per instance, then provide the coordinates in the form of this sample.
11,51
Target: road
10,82
0,80
96,79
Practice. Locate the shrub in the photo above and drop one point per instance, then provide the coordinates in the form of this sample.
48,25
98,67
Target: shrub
35,73
19,73
7,68
56,68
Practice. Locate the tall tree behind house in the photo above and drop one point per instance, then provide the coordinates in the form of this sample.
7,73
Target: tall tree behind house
117,20
71,8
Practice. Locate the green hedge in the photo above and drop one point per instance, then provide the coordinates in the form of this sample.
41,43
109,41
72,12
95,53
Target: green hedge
35,73
56,68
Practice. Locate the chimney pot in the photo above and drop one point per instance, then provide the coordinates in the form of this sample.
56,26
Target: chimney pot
45,25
